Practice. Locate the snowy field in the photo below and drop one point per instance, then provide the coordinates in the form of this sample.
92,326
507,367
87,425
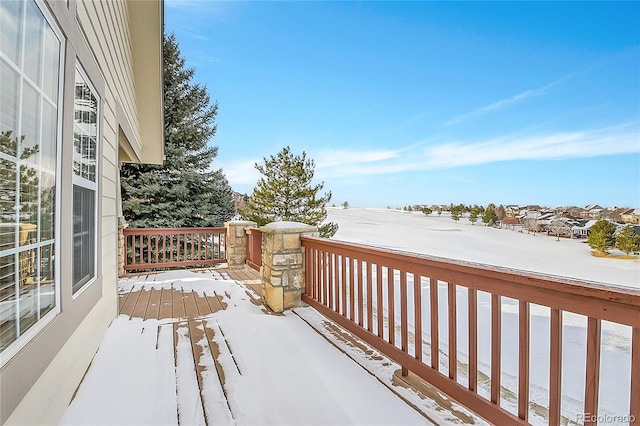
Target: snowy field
443,237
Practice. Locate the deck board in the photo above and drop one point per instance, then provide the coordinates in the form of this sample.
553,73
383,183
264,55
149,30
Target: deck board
166,304
141,304
178,303
153,307
191,309
130,303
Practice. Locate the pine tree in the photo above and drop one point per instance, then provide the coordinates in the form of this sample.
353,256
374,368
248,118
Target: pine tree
489,216
183,192
456,212
601,236
627,240
474,213
285,192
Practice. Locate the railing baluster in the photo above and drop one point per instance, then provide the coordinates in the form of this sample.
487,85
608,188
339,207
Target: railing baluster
315,274
592,375
555,367
433,305
404,326
343,275
417,300
472,299
157,246
380,300
320,294
325,278
524,322
496,344
360,298
148,248
635,374
352,287
330,280
184,252
453,333
391,282
369,298
171,247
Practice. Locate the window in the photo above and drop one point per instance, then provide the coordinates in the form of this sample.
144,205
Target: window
31,52
85,144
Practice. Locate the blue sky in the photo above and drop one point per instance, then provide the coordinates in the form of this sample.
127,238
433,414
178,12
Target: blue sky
426,102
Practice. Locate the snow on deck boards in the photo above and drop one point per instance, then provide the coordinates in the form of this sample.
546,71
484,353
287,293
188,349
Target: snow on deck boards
199,348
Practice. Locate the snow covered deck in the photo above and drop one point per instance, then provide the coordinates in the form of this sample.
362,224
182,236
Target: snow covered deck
199,348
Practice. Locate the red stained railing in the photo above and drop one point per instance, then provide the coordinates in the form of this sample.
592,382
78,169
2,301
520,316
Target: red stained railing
160,248
396,302
254,248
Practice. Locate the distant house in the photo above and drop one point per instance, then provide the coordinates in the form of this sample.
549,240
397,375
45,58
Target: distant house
616,213
81,93
631,216
593,211
574,212
582,230
511,210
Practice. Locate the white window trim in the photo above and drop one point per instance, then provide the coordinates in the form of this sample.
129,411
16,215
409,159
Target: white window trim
85,183
17,345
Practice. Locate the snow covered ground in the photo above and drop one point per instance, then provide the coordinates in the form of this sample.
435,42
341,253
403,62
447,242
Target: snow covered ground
443,237
287,374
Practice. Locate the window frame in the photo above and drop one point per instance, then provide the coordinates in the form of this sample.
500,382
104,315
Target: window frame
87,184
24,338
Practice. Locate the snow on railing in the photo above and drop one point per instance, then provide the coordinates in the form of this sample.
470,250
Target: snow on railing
160,248
510,345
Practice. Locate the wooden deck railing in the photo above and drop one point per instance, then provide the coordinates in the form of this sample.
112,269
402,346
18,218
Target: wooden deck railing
254,248
412,308
159,248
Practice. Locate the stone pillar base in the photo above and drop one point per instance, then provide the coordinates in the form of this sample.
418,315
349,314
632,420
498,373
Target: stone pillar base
237,242
122,247
283,263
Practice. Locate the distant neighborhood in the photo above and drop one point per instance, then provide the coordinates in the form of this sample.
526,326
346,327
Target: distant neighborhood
567,222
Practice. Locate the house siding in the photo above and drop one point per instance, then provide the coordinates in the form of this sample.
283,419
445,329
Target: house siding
39,381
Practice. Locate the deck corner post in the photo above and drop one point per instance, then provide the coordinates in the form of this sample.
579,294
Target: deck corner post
283,263
237,242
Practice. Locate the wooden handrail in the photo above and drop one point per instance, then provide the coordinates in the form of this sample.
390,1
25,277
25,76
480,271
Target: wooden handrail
343,279
161,248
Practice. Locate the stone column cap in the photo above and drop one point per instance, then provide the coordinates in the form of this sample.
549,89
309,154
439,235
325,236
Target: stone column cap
245,223
288,227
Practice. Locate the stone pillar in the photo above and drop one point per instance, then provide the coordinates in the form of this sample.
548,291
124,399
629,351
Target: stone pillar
237,242
121,245
283,263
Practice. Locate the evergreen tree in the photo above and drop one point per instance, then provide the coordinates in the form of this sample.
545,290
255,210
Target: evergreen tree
627,240
474,213
489,216
426,210
456,212
183,192
601,236
285,192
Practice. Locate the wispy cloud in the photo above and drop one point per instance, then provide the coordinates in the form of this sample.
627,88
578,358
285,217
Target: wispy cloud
503,103
241,172
622,139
